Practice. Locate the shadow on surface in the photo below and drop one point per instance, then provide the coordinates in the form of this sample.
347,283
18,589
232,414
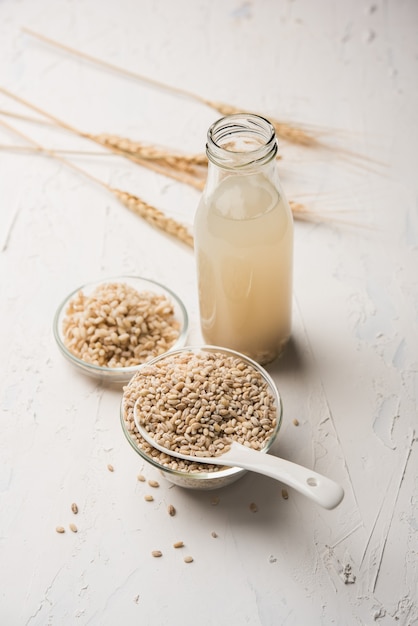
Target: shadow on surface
254,501
294,360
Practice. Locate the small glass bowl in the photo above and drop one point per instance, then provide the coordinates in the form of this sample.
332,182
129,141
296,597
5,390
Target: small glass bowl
220,477
119,375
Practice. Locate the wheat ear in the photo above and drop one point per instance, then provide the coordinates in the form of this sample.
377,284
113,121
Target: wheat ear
153,216
183,162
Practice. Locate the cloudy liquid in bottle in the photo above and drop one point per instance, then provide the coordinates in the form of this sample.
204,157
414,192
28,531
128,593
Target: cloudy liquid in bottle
244,251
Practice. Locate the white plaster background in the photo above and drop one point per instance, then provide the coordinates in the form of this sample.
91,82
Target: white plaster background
350,377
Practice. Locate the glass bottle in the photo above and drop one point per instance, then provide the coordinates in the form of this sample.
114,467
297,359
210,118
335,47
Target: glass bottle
243,237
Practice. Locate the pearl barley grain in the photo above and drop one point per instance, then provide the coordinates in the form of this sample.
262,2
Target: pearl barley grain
156,553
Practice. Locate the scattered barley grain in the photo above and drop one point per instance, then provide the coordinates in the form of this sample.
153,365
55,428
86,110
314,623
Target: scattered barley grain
157,553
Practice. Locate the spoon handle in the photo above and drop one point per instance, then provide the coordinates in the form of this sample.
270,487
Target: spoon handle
317,487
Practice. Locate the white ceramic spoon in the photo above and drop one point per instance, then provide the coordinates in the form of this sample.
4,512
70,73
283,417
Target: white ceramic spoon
318,488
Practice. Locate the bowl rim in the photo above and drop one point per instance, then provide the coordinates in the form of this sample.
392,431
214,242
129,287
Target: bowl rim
216,474
115,372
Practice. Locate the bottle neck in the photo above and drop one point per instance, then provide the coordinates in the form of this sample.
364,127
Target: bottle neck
241,143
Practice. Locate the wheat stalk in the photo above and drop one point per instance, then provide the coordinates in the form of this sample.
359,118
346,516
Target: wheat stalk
150,214
34,149
26,118
292,133
289,132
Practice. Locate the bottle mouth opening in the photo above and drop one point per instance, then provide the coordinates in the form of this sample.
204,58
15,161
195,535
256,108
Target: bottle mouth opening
241,140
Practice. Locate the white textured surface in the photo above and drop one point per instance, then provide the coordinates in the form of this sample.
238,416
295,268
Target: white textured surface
350,376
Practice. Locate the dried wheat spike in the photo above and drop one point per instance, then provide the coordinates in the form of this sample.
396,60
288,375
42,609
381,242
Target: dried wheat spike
298,209
303,214
153,216
288,132
121,147
163,156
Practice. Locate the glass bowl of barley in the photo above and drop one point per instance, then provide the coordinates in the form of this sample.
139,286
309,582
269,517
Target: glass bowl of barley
204,391
108,328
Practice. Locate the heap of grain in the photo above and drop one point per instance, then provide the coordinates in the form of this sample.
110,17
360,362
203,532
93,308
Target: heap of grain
197,402
118,326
